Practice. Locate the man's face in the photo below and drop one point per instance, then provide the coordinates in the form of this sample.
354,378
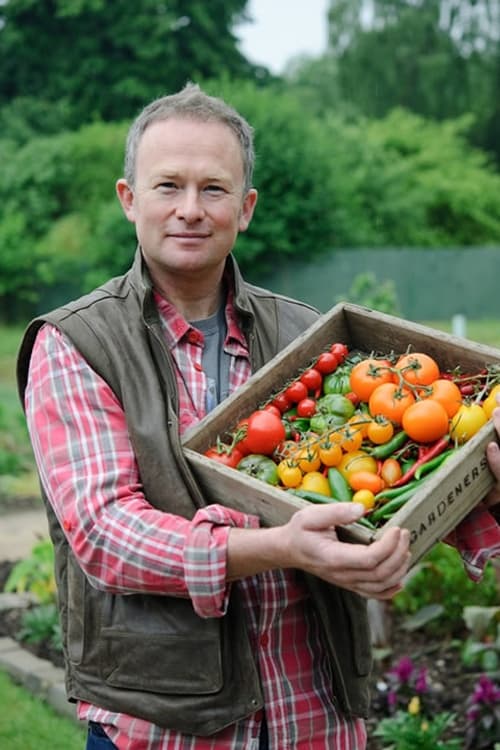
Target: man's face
187,203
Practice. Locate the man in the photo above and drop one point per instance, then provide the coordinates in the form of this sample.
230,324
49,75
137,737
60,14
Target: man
185,624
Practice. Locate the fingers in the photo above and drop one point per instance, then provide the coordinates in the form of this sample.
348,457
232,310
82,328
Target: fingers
324,517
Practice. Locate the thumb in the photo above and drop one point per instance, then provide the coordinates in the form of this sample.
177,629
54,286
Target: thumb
334,514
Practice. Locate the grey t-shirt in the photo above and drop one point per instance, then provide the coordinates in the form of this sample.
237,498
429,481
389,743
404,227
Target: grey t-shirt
214,360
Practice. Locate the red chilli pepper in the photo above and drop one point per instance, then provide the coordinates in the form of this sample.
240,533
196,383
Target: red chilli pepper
434,450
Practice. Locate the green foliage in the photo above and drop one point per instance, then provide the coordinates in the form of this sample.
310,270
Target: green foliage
368,291
441,579
35,573
405,731
41,625
27,723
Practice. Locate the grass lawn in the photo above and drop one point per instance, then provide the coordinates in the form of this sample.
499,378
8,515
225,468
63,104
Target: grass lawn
27,723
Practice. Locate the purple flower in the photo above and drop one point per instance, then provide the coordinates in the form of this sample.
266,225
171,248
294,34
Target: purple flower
403,669
485,691
421,681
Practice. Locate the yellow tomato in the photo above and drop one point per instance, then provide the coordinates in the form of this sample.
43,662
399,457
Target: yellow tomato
357,461
330,453
467,421
314,481
307,458
365,497
490,402
289,473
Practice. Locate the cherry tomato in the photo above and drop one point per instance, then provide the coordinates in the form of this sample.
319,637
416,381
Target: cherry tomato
306,407
368,374
289,473
265,432
425,421
366,480
326,363
281,402
365,497
296,391
467,421
490,403
340,350
316,482
380,431
447,393
312,379
418,368
307,458
228,457
357,461
273,409
330,453
391,471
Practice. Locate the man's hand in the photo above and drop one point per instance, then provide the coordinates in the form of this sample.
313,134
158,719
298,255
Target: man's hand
309,542
492,499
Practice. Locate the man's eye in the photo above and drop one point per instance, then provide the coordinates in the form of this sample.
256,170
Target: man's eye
168,185
214,189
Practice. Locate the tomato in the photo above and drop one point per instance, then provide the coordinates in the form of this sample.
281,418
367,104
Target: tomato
490,403
265,431
357,461
273,409
225,455
391,401
296,391
306,407
337,382
281,402
425,421
340,350
418,368
447,393
316,482
259,466
391,471
360,421
307,458
467,421
368,374
289,473
326,363
330,453
366,480
349,438
365,497
312,379
380,431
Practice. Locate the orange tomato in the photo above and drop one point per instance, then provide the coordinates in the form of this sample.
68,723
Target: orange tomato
447,393
307,458
367,375
425,421
349,438
360,422
391,401
330,453
418,368
366,480
391,471
380,431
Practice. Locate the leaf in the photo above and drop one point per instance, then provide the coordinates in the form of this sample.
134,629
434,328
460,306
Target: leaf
423,616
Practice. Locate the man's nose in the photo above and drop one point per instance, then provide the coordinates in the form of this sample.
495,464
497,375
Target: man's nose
190,205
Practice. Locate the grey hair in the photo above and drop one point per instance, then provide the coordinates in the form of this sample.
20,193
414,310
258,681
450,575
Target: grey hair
194,104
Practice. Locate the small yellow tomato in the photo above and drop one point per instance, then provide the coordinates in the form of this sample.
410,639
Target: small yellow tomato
314,481
467,421
490,402
380,431
330,453
307,458
357,461
289,473
365,497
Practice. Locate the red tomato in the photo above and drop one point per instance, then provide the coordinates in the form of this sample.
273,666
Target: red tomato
312,379
306,407
282,403
229,457
327,363
296,391
340,350
273,409
265,432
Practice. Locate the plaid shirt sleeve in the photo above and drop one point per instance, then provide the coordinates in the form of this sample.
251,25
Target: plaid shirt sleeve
477,539
87,467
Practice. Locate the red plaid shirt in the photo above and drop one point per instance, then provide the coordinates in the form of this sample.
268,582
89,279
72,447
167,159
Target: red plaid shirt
125,545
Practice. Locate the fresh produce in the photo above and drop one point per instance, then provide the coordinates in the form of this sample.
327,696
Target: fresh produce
370,429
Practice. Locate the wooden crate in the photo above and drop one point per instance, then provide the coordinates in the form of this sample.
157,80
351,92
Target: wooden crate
434,510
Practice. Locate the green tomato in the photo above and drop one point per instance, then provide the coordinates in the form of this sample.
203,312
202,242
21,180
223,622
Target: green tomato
335,403
259,466
322,423
337,382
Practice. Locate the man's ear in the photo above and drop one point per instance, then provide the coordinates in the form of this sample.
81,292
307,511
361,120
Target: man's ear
247,209
126,197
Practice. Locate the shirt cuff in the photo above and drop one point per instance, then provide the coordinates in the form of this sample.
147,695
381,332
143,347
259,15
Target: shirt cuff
477,539
205,557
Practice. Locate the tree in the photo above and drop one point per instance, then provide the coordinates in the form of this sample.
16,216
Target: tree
93,59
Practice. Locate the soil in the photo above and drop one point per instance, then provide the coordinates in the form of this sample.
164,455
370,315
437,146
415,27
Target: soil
449,684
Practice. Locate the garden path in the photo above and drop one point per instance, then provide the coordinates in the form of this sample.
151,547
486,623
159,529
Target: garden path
20,530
